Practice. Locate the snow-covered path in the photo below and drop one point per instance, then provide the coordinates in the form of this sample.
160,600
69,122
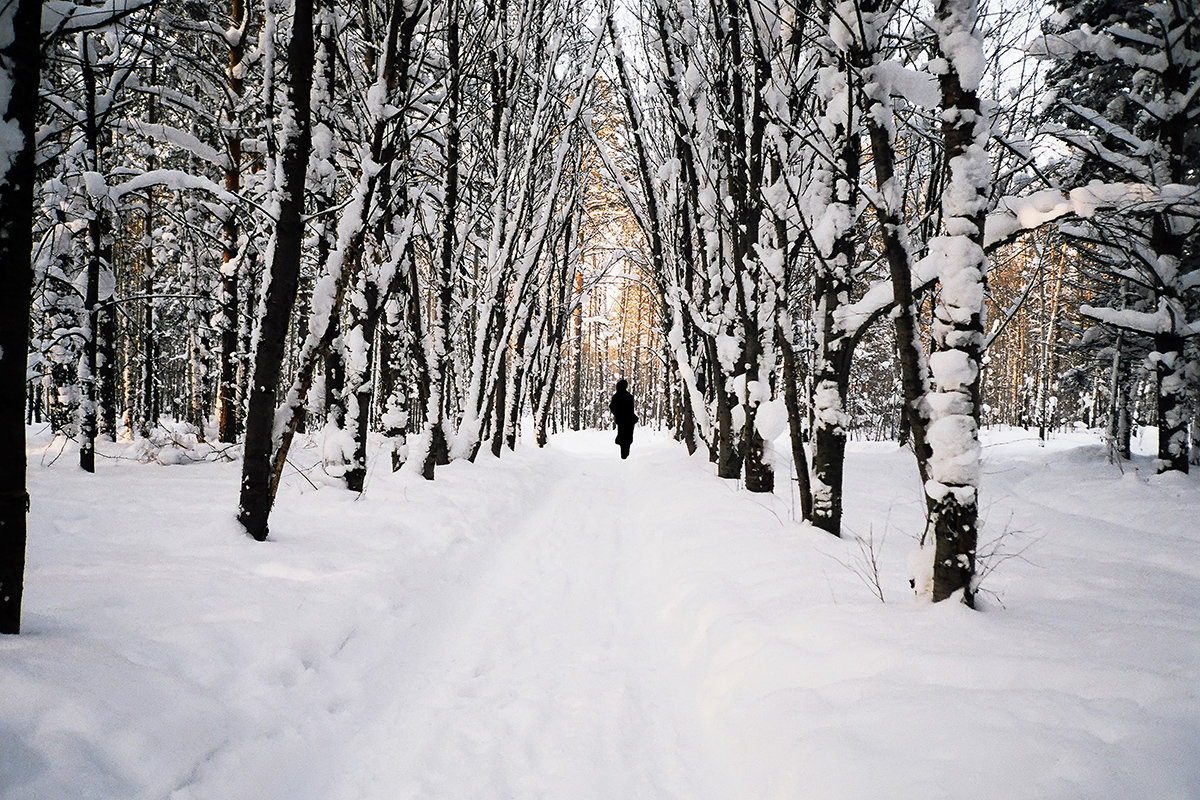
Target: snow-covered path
560,624
556,653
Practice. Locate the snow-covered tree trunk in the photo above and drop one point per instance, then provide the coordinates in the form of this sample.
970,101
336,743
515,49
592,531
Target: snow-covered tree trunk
1174,407
684,277
754,280
509,420
527,185
20,54
282,282
439,357
358,344
559,304
97,263
833,207
952,485
323,186
393,388
577,356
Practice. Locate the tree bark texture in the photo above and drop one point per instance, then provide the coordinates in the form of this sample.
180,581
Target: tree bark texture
20,58
952,490
227,393
284,277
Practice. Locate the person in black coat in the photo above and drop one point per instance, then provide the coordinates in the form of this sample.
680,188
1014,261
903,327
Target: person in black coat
621,407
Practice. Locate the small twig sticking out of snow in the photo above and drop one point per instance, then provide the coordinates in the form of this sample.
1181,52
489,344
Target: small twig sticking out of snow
866,564
65,439
1005,546
300,472
829,583
737,490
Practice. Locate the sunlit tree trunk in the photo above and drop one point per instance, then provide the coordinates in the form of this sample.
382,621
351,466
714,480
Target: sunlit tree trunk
226,400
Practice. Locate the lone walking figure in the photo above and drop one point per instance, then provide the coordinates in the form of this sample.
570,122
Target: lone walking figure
621,407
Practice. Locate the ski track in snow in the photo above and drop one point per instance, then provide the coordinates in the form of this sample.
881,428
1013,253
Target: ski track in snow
568,586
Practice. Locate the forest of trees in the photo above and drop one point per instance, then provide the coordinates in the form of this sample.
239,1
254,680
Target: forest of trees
437,221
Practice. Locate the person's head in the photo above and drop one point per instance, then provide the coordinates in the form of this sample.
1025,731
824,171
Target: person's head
622,385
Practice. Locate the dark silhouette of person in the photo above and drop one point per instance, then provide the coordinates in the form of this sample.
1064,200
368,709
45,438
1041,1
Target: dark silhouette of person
621,407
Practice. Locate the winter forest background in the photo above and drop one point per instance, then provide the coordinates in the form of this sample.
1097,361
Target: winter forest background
429,229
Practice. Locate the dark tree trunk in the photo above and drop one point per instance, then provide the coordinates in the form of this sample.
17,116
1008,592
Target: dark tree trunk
1119,433
257,465
227,406
729,457
829,428
750,289
439,449
913,378
791,399
20,59
91,294
87,418
106,356
500,395
335,388
149,404
100,386
577,355
835,346
759,475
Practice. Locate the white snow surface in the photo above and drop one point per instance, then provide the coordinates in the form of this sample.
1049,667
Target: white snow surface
563,624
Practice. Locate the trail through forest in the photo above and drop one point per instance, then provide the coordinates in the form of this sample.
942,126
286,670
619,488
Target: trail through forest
561,655
559,623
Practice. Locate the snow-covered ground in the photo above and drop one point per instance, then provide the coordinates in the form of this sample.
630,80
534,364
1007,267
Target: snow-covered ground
562,624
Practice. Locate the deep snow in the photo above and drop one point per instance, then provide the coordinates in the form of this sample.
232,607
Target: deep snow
562,624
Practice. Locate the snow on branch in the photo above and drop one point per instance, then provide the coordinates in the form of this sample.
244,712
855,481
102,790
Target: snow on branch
1017,215
1088,143
174,179
182,140
1167,318
1140,147
63,16
853,318
1102,46
232,36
